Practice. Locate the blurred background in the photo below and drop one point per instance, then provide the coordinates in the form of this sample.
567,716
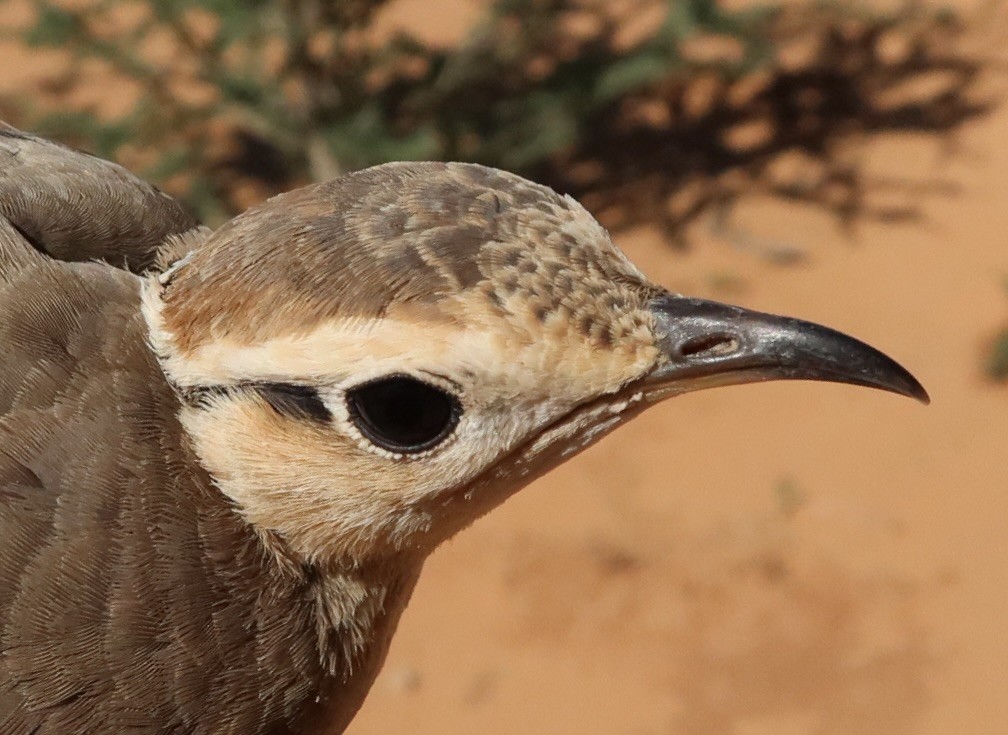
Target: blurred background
780,559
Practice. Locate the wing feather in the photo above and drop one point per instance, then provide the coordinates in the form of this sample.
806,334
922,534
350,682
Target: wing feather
75,207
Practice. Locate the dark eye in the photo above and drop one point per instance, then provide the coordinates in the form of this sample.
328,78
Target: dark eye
403,414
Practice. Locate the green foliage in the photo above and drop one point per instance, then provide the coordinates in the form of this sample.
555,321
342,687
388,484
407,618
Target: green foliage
104,138
790,497
53,27
233,100
996,362
997,358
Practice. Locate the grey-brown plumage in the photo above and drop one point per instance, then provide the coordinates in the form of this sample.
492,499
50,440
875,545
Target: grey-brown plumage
204,526
133,596
76,207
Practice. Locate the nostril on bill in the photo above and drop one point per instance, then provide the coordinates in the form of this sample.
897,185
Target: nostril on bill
709,345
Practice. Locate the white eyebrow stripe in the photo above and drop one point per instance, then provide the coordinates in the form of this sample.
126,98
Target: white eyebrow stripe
334,353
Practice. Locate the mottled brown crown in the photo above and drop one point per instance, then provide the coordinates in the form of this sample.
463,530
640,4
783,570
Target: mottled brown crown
400,233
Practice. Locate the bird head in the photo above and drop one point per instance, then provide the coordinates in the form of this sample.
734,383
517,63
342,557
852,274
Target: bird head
367,365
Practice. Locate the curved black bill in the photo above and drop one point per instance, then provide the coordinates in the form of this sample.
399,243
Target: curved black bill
707,343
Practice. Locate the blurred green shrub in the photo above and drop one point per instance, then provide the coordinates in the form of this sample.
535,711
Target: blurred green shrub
997,358
230,101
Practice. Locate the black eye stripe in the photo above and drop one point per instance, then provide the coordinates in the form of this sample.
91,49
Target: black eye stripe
299,402
295,401
402,414
200,396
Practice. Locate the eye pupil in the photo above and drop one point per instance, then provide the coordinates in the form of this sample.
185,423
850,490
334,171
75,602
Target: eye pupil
403,414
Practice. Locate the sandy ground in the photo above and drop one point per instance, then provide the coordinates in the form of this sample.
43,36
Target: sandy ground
786,559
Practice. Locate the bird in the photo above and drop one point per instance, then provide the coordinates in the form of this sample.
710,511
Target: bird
226,453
